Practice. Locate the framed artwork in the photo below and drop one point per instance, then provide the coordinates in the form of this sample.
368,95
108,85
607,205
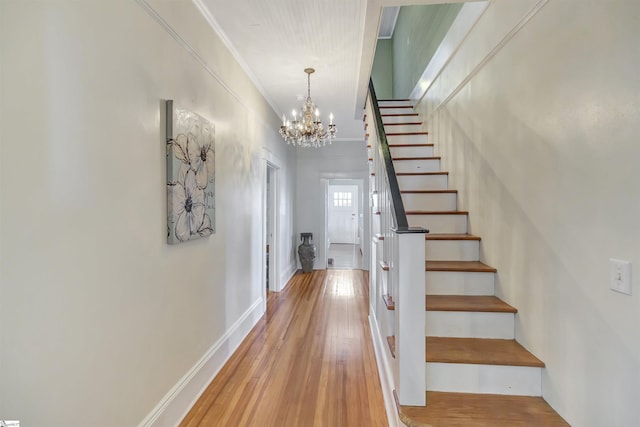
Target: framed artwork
190,175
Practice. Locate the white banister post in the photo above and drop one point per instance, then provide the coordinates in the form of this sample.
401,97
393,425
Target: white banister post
410,316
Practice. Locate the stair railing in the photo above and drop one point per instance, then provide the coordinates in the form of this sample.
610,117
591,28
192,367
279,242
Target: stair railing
399,267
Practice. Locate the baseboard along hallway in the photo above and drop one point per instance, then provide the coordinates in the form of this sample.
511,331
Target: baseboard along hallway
308,362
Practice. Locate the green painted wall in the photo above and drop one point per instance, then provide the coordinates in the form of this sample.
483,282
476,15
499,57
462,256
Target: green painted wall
418,33
382,70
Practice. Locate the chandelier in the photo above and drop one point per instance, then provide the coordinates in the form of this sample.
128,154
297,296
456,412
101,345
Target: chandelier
307,131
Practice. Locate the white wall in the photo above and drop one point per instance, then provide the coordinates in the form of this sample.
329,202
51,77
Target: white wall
340,160
542,142
100,318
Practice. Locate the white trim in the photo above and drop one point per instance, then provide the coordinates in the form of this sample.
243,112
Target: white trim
195,55
457,34
502,43
206,13
288,275
384,371
175,405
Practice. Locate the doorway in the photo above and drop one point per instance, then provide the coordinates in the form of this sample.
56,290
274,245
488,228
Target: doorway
270,231
343,226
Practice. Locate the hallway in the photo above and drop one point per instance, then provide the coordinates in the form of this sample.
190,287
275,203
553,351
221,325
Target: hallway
309,361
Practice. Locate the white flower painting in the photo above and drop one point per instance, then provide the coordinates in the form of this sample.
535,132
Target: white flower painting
190,175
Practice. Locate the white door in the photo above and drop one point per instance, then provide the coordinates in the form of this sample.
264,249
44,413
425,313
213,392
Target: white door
343,214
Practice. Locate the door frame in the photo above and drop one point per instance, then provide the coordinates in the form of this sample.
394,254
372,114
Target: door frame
270,225
359,183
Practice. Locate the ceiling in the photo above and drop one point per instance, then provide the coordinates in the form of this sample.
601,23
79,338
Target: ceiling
275,40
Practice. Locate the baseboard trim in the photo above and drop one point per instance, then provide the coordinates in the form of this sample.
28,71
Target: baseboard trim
175,405
288,275
384,372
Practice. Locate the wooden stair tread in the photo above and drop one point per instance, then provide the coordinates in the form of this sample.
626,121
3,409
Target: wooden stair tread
394,106
405,145
403,124
485,304
480,410
399,115
406,133
479,351
478,304
428,191
409,158
391,342
420,173
436,212
388,302
444,236
468,266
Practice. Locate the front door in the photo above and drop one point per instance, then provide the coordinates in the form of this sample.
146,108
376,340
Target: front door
343,214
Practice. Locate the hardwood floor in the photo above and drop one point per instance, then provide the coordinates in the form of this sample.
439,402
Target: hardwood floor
308,362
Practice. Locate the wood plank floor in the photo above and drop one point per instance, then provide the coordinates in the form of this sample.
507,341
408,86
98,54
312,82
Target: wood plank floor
308,362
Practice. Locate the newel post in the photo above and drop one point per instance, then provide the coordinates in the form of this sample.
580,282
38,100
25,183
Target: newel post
410,315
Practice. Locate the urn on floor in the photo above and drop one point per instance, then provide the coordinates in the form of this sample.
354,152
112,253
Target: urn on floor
307,252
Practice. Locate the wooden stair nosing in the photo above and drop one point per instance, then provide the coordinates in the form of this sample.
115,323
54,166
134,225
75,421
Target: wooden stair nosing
402,124
395,159
479,351
406,145
395,106
468,303
460,303
428,191
392,346
450,236
388,302
399,115
459,266
437,213
405,133
474,409
420,173
476,351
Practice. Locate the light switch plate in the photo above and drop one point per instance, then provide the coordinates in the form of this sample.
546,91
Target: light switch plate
620,276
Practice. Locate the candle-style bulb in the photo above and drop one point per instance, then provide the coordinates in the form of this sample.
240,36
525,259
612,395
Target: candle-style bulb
284,120
317,113
330,118
294,114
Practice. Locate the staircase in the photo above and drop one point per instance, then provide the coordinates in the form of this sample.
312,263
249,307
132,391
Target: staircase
477,374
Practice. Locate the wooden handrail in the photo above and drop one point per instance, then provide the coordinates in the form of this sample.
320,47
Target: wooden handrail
399,214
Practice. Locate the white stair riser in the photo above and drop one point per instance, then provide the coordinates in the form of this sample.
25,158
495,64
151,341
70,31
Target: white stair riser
396,110
399,119
492,379
417,151
393,103
455,224
403,128
421,138
467,324
459,283
423,182
452,250
429,201
430,165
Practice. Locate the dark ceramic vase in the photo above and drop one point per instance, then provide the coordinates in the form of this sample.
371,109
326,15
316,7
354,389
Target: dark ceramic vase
307,252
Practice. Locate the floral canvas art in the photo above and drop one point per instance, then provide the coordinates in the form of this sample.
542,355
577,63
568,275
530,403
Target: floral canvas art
190,175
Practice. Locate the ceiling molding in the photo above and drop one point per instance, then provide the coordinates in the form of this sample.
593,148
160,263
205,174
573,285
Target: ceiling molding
234,52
